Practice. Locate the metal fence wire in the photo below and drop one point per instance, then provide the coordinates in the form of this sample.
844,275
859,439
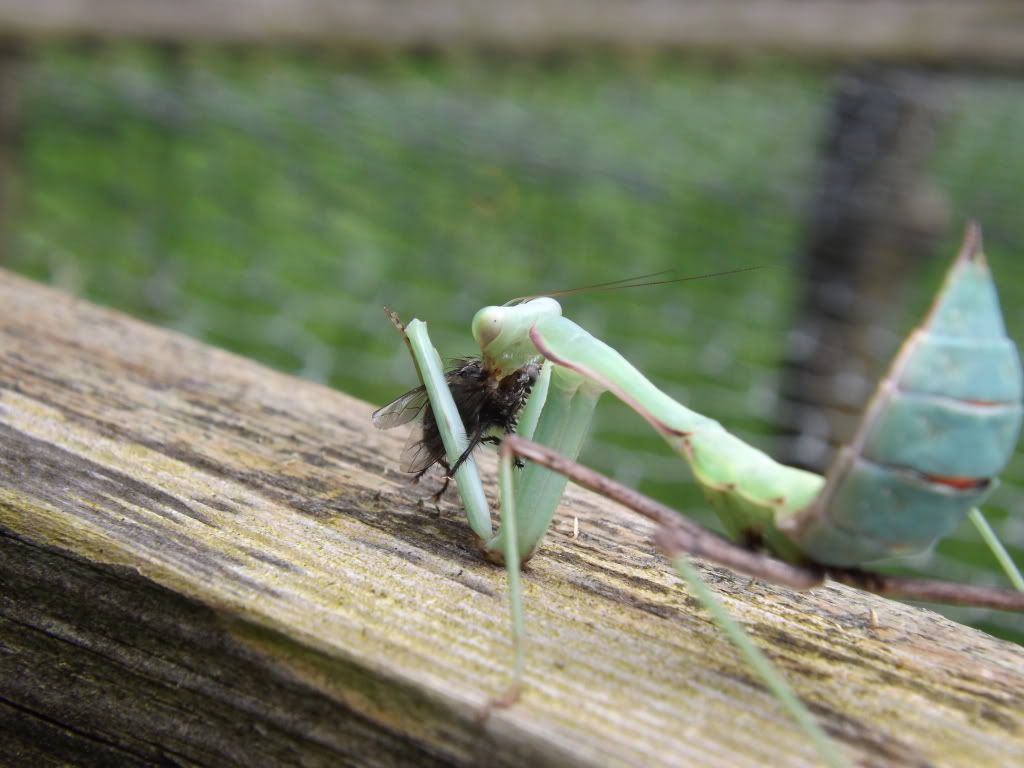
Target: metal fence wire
272,203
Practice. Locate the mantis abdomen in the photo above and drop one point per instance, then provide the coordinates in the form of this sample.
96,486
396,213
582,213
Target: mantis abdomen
939,428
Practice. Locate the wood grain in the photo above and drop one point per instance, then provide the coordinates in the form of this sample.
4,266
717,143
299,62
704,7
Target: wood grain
205,562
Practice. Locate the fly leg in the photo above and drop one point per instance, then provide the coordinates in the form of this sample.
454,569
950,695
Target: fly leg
436,497
496,441
475,439
447,479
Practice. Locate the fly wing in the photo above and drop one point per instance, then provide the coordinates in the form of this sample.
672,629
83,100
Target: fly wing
401,410
419,453
421,449
425,446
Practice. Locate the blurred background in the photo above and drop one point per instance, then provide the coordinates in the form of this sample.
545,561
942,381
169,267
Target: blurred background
267,182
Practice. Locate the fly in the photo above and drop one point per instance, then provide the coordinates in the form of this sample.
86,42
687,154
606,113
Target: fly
487,401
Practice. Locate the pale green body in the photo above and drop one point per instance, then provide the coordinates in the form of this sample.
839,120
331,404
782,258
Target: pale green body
942,424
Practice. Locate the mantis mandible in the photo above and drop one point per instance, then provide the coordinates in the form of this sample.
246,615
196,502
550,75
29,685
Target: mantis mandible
940,427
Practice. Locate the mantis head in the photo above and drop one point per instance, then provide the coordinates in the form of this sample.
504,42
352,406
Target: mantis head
503,333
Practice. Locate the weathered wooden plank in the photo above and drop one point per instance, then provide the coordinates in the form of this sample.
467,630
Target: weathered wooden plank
207,562
939,31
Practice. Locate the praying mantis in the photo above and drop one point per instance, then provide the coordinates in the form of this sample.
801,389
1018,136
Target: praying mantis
941,426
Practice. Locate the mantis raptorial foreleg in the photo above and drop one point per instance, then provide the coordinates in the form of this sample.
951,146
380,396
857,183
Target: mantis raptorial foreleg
453,433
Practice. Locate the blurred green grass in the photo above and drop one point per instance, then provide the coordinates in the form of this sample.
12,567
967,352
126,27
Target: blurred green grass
272,202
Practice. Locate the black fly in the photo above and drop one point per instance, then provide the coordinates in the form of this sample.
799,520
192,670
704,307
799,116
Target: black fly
487,402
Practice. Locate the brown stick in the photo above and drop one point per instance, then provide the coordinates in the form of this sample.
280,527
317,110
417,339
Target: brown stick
677,535
930,590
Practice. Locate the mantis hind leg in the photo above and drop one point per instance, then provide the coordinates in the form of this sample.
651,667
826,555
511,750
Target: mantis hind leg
672,522
996,547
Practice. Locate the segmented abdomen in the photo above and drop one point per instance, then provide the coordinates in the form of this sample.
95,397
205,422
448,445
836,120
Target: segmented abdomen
940,427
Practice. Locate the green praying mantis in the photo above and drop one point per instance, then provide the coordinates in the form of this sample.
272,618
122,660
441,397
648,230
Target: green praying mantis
942,424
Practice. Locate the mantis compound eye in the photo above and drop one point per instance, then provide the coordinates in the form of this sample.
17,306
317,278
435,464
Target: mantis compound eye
488,324
503,333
